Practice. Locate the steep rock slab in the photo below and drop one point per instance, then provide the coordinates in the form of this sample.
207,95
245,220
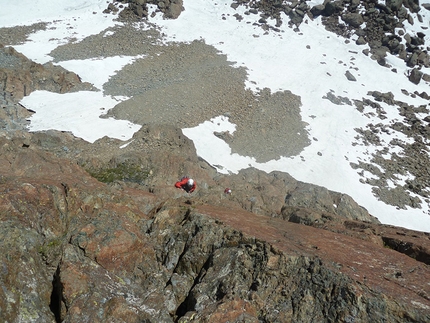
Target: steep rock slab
371,269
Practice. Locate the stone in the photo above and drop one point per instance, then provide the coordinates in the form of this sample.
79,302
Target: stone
353,19
21,76
317,10
174,10
415,76
330,8
413,60
412,5
394,5
139,10
295,17
426,77
350,77
361,41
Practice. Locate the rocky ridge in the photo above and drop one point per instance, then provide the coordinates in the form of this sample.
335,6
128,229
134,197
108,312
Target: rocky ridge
136,248
19,76
93,233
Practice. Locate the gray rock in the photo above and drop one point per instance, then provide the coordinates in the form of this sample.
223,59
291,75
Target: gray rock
383,97
320,199
378,50
395,46
174,9
415,76
339,100
295,17
139,10
353,19
25,280
317,10
394,5
413,5
402,14
361,41
413,60
331,7
350,77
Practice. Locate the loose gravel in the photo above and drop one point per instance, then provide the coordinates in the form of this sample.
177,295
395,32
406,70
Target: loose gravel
185,84
17,35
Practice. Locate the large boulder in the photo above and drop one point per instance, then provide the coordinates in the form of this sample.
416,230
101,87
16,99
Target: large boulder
415,76
317,10
174,9
394,5
353,19
321,199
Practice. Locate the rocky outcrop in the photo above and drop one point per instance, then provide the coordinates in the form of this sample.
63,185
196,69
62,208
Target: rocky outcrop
169,155
98,233
368,22
19,76
75,249
171,9
94,233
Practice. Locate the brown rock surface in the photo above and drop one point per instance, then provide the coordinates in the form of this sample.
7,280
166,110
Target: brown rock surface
368,264
19,76
79,250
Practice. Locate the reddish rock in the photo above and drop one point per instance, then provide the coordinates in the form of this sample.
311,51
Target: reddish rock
22,76
372,265
95,252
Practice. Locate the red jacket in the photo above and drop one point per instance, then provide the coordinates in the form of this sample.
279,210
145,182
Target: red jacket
183,183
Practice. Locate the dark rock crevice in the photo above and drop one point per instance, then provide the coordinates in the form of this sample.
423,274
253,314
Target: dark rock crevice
57,305
410,249
189,302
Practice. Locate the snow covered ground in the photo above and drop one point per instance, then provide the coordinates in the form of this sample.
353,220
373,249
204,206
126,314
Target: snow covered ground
309,63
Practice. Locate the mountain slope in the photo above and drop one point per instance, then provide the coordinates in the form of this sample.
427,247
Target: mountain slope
76,249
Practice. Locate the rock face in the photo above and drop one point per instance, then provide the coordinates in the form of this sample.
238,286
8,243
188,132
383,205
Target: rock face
93,233
19,76
75,249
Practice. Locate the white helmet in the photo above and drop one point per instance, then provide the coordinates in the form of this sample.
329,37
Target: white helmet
190,182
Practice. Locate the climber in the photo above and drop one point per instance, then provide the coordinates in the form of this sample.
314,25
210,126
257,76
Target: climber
187,184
